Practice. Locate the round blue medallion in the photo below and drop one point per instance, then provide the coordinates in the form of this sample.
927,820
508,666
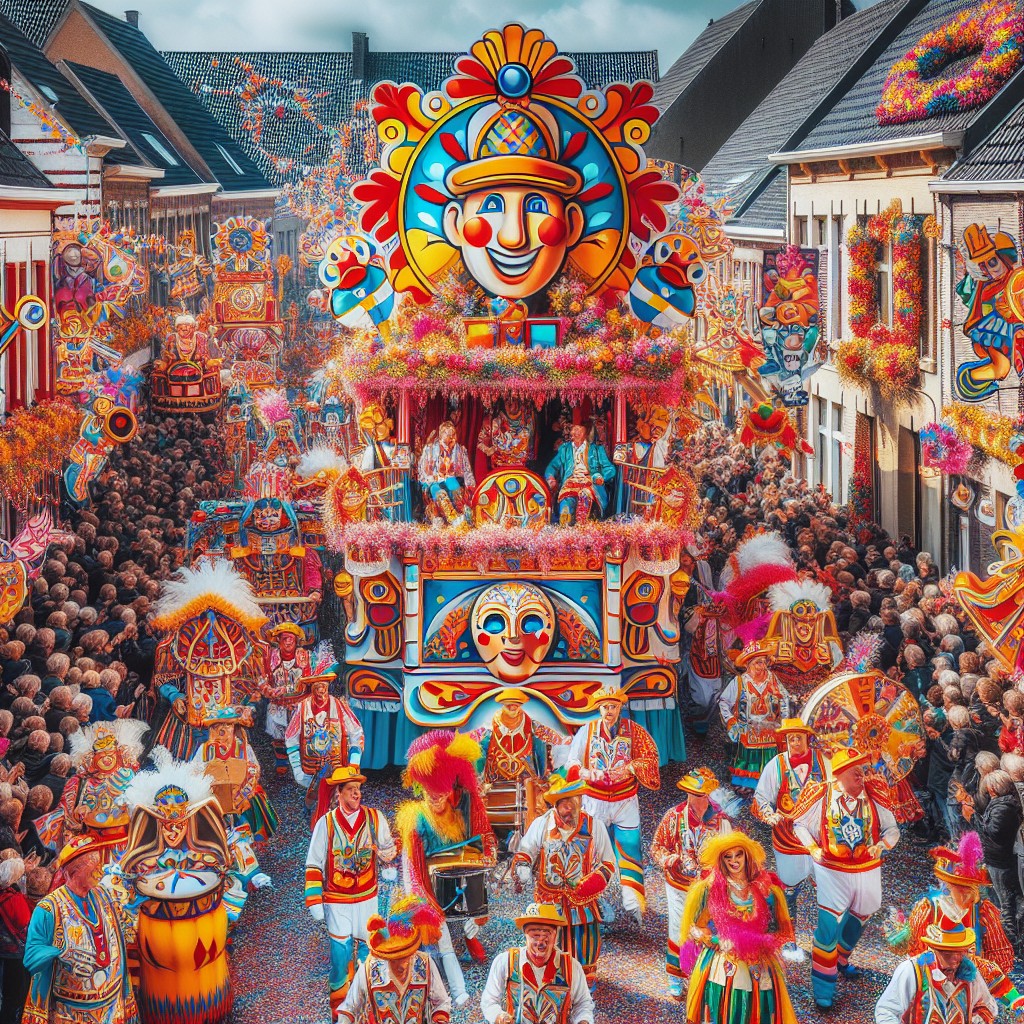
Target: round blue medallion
514,81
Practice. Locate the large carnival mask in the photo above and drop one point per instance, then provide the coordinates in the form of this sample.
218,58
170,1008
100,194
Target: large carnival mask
267,517
513,629
13,582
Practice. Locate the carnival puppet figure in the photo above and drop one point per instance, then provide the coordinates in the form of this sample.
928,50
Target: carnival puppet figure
572,855
508,436
681,835
398,981
228,759
582,473
616,756
280,444
444,830
323,732
290,672
803,634
178,862
737,915
752,706
342,871
444,474
76,950
105,757
212,654
995,312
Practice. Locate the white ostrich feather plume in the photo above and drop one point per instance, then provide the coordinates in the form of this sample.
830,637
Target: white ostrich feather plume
784,595
127,733
318,459
142,790
218,577
764,549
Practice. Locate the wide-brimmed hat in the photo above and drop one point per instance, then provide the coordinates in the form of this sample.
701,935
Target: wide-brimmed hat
848,757
287,627
412,922
541,913
343,774
76,847
565,782
605,694
757,649
701,781
512,695
962,866
793,725
954,937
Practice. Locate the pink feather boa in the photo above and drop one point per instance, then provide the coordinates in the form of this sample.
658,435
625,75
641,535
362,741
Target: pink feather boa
751,941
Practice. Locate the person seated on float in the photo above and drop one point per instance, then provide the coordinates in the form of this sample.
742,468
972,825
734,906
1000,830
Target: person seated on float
582,473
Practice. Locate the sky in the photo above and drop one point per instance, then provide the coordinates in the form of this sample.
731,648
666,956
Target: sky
668,26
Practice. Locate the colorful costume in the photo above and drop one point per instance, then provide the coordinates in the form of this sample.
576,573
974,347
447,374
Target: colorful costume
441,767
846,832
576,468
621,759
741,925
574,864
177,859
341,880
76,954
920,992
288,668
376,995
444,474
323,731
678,841
753,705
551,993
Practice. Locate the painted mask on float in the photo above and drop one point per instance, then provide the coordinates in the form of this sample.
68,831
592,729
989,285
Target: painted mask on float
513,629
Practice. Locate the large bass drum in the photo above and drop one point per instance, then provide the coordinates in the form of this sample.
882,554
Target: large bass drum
460,890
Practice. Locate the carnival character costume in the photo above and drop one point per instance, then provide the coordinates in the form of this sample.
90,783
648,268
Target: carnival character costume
447,823
752,706
583,473
508,438
737,915
75,949
616,757
778,791
341,874
537,983
444,474
845,823
940,986
398,983
574,862
289,666
178,861
681,835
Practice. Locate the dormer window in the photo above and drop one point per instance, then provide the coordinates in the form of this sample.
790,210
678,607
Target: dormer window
231,162
160,149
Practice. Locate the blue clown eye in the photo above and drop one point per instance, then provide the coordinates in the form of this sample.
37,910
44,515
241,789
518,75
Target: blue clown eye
493,204
494,623
696,273
532,623
536,204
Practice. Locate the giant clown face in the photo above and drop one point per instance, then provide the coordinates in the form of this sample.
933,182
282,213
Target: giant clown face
513,629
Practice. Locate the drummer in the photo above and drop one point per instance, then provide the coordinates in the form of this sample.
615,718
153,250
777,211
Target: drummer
575,862
341,874
447,826
514,755
526,983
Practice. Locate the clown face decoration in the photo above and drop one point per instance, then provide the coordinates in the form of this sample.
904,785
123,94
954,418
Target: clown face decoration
13,583
513,629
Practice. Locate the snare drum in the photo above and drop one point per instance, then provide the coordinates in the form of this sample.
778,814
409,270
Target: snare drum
461,890
503,810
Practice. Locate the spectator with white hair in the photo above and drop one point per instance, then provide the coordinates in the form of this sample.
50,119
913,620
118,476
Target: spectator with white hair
14,917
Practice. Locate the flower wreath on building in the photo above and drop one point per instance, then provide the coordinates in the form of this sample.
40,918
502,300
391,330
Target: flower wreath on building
880,355
917,87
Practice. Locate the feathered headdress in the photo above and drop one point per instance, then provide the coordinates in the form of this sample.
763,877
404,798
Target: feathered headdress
216,586
440,760
962,866
168,776
412,922
125,733
272,406
760,562
783,596
321,458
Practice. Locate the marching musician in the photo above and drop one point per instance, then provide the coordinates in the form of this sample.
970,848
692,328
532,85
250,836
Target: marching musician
289,666
341,874
537,983
775,798
445,826
574,861
398,981
616,757
845,824
678,841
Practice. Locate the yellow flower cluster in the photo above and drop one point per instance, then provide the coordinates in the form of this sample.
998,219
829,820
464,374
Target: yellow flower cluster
987,431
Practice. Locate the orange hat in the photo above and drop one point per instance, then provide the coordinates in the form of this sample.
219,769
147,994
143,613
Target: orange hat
848,757
75,848
412,922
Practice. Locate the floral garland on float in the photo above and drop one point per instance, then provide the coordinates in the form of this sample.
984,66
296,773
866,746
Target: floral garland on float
879,355
990,433
34,443
943,449
918,87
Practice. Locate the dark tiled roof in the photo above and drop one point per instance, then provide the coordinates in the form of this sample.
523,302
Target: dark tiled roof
36,18
120,106
789,110
203,131
853,119
698,54
32,64
768,210
16,170
999,158
214,76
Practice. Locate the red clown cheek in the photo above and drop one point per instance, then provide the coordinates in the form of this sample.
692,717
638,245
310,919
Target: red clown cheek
552,231
483,639
476,232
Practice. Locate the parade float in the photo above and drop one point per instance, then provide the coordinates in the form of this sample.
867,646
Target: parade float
514,321
186,378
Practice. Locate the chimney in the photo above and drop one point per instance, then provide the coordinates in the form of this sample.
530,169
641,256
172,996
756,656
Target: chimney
132,17
360,52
